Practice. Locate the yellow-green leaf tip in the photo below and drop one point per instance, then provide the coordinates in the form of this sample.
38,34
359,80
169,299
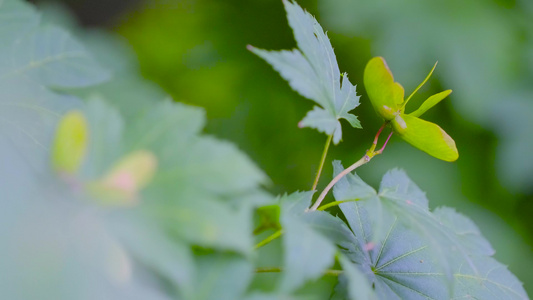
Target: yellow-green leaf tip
70,143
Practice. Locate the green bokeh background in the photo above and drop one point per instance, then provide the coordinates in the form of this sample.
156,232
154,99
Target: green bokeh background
196,51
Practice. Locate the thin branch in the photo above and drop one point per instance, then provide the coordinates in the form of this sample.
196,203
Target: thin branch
322,160
329,272
366,158
269,239
335,203
356,165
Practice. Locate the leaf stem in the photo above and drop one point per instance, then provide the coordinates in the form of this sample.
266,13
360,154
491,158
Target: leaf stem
366,158
269,239
322,160
334,203
329,272
356,165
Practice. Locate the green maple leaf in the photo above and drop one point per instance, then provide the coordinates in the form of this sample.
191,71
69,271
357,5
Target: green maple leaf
313,72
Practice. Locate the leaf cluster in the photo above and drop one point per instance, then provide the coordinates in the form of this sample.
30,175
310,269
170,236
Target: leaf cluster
111,191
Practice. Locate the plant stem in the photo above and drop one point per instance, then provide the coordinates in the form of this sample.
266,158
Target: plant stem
278,270
322,160
268,270
269,239
366,158
334,203
356,165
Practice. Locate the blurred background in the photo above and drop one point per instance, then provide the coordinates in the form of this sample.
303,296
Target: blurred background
196,51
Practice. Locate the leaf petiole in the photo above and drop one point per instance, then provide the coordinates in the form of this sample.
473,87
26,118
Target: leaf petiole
278,270
335,203
269,239
366,158
322,160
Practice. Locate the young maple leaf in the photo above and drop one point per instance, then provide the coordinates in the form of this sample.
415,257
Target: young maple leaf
313,72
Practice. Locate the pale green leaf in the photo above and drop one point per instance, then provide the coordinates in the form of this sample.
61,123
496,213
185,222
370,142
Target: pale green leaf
313,72
170,131
491,281
353,282
423,255
28,117
50,57
467,232
331,227
199,217
220,276
17,19
302,244
106,126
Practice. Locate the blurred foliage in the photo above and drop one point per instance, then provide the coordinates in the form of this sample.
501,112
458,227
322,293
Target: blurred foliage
485,52
85,214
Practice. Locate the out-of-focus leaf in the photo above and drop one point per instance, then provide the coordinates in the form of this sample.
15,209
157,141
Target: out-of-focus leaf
426,136
169,130
221,276
70,143
145,241
200,218
278,296
121,185
106,126
18,18
51,57
65,241
313,72
302,244
62,247
29,116
331,227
